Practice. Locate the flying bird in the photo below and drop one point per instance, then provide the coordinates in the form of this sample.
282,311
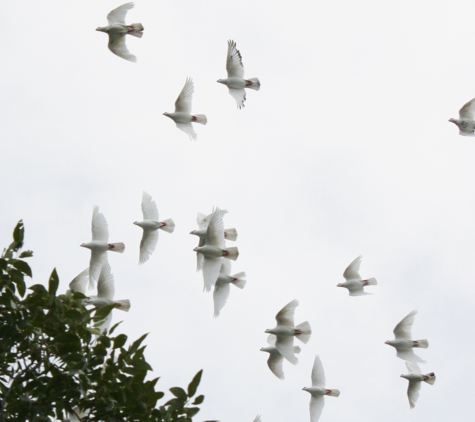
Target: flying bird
466,122
222,286
275,360
150,226
318,390
203,222
99,245
354,283
117,30
80,282
214,248
181,116
105,295
415,378
285,331
235,80
402,340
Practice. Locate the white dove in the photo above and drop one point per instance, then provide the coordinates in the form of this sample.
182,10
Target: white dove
285,331
318,390
466,122
117,29
150,226
235,80
415,378
222,285
99,245
105,295
214,248
402,340
80,282
203,221
181,116
354,283
275,360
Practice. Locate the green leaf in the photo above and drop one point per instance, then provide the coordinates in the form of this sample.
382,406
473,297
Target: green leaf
19,233
199,399
193,386
114,327
53,282
3,264
38,288
119,341
179,393
22,266
192,411
26,254
136,343
102,313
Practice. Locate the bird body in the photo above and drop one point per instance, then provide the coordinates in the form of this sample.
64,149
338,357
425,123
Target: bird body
223,283
466,122
354,283
415,379
276,360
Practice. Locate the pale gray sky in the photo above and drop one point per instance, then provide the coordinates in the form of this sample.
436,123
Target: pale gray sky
345,150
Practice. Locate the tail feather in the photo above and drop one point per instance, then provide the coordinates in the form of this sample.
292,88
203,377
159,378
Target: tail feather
169,226
230,234
136,30
255,84
431,378
334,392
200,118
240,282
371,281
232,253
123,305
424,344
117,247
306,330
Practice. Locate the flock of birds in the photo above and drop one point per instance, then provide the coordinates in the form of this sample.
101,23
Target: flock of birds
214,257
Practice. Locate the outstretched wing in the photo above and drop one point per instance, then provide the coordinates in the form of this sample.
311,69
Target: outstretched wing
117,16
403,329
318,374
234,64
119,48
100,230
468,110
351,272
149,208
183,102
239,95
286,315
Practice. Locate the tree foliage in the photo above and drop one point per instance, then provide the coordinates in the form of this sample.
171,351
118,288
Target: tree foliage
54,364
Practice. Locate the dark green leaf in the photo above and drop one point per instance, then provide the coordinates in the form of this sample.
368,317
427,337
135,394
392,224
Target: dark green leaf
38,288
199,399
179,393
53,282
102,313
119,341
192,411
114,327
136,343
3,264
22,266
19,233
193,386
26,254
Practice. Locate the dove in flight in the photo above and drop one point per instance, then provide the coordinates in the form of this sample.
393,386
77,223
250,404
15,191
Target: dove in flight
466,122
222,286
275,360
415,379
235,80
285,331
150,226
182,115
318,390
117,30
354,283
99,245
402,340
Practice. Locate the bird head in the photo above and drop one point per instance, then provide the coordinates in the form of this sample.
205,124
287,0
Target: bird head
192,232
136,223
267,331
101,28
339,285
221,81
83,245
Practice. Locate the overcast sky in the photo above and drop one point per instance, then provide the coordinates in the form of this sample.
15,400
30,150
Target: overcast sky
345,150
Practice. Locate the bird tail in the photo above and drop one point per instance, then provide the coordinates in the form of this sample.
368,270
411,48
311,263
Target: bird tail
232,253
200,118
169,225
240,282
333,393
253,83
135,29
424,344
431,378
123,305
117,247
230,234
371,282
306,332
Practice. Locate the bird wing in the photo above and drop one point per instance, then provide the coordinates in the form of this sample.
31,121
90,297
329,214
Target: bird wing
286,315
95,265
275,364
225,267
149,208
271,340
106,323
220,296
148,244
239,95
413,392
100,230
316,407
202,220
119,48
234,64
105,283
215,231
413,367
356,289
408,354
257,418
285,346
351,272
318,374
183,102
199,261
211,268
117,16
79,283
403,329
468,110
188,129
